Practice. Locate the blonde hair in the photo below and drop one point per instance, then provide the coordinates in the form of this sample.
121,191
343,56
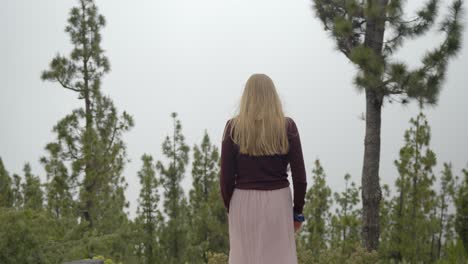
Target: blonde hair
259,128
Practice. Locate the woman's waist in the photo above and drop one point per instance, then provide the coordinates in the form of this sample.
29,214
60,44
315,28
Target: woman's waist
263,184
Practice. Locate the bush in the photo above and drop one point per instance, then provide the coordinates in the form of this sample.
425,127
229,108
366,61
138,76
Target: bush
217,258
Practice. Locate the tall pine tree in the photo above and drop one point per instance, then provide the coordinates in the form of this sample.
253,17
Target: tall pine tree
358,28
90,138
174,233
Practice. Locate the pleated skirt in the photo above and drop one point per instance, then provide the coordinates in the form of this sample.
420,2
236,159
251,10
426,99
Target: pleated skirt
261,228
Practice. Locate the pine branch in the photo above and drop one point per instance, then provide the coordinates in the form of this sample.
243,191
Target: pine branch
425,81
64,85
415,27
344,19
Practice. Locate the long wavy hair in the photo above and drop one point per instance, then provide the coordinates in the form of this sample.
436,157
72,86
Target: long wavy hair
259,128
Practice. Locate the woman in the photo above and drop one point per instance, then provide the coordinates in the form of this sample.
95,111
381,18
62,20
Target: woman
257,146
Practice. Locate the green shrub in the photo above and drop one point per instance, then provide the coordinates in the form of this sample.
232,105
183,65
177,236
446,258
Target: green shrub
217,258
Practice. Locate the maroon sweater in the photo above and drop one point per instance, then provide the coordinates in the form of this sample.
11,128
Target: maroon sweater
267,172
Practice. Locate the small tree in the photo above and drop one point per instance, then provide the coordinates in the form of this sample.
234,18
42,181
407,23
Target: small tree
461,204
345,222
412,231
17,193
32,192
316,211
149,216
444,199
6,192
59,186
386,205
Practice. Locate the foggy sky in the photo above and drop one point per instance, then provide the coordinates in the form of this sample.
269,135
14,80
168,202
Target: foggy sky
193,58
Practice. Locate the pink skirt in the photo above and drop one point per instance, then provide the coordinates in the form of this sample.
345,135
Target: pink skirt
261,228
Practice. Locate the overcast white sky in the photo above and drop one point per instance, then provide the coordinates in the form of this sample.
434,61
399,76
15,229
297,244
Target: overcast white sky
193,57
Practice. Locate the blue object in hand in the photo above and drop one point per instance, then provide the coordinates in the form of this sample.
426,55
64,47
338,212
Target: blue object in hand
298,217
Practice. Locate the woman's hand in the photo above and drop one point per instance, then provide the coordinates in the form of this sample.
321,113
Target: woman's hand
297,226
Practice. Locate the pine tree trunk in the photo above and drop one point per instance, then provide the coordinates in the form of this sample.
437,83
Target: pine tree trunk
415,193
442,219
396,253
371,192
89,123
88,182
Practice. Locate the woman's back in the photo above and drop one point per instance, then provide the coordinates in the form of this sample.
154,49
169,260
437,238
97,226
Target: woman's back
264,172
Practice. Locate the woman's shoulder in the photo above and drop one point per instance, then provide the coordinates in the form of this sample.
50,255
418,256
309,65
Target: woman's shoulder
228,129
290,122
229,122
291,126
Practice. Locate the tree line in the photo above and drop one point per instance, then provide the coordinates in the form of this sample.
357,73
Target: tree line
43,222
421,221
